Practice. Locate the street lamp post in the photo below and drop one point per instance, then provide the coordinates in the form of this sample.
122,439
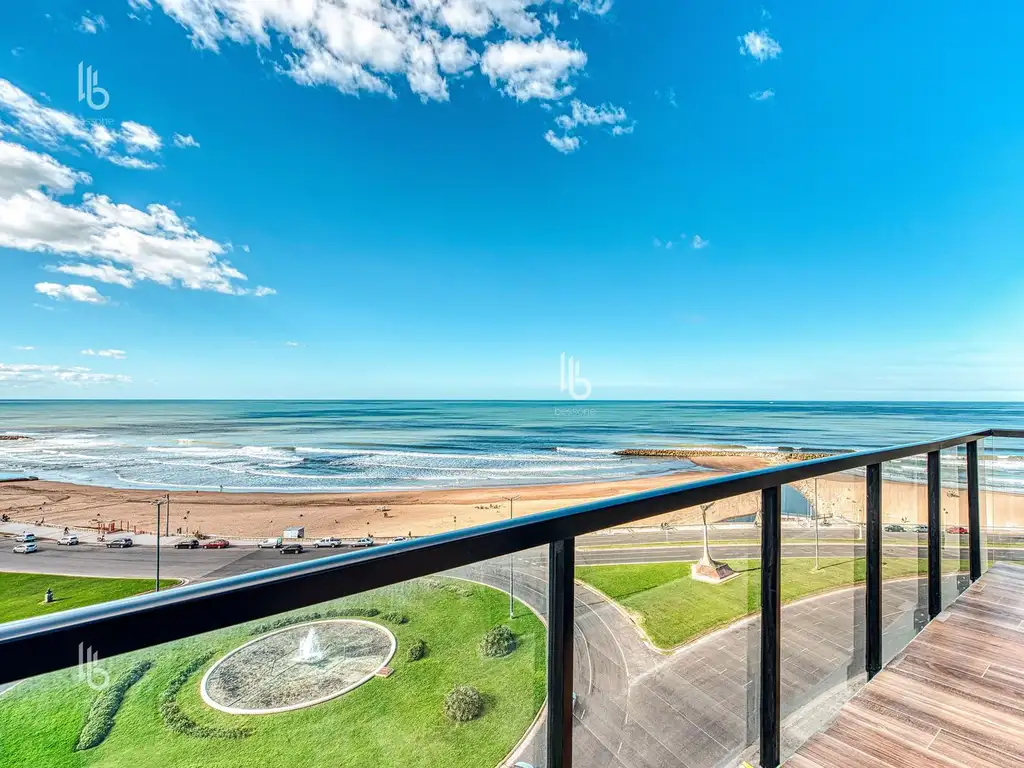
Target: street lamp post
511,565
159,503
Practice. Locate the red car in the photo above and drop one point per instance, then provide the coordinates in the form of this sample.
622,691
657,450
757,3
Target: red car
956,529
216,544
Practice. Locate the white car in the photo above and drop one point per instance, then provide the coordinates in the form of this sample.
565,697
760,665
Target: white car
366,541
25,537
270,543
328,541
70,540
24,549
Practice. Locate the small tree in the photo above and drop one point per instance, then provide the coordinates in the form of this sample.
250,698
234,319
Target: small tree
463,703
498,641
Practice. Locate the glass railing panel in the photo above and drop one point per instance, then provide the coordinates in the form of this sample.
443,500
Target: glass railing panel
670,675
424,673
823,602
904,552
956,563
1001,502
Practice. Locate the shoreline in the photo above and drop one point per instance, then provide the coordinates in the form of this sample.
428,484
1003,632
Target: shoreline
259,514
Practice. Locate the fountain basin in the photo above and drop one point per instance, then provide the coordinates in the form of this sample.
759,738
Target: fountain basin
298,666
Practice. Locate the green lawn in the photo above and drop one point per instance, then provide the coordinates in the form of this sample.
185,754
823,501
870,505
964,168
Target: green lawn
673,609
387,722
21,594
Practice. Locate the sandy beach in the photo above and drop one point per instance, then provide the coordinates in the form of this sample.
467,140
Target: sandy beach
422,513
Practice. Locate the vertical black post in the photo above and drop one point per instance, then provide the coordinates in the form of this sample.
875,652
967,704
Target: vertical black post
561,564
973,510
771,629
873,602
934,536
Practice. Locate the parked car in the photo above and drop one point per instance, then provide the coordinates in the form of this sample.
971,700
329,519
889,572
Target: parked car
186,544
120,543
399,538
956,529
291,549
919,528
70,540
270,543
894,528
366,541
216,544
327,541
24,549
25,537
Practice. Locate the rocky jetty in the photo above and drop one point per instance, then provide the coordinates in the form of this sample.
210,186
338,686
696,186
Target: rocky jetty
782,456
15,437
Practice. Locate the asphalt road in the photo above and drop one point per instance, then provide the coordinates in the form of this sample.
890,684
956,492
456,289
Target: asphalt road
636,708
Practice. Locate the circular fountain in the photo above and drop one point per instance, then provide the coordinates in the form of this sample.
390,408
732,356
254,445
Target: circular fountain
297,666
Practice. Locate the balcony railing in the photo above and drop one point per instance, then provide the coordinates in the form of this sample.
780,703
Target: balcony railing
46,644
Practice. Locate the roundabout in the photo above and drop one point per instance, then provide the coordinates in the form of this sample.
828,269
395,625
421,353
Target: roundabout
298,666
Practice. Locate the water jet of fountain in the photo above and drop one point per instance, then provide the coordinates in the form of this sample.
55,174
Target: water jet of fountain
310,650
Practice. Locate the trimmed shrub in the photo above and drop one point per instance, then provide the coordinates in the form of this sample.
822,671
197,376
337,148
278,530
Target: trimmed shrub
463,703
100,719
395,617
498,641
417,651
180,723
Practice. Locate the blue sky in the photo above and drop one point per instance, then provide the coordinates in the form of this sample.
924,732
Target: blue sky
437,198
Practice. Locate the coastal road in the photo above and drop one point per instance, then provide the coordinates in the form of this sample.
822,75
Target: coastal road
637,707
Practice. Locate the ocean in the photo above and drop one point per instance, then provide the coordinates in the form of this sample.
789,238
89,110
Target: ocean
396,445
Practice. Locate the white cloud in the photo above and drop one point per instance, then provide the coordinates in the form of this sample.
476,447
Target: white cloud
140,138
103,273
761,45
582,114
133,162
24,348
564,144
56,128
699,242
23,375
596,7
537,69
262,290
184,140
552,19
92,24
292,344
114,354
83,293
127,244
764,95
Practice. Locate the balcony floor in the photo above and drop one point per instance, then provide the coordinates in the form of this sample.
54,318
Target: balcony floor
953,697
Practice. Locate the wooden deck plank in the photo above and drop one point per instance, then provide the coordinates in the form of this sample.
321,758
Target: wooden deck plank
953,697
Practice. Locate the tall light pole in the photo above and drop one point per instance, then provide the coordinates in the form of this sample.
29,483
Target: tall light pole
159,503
511,564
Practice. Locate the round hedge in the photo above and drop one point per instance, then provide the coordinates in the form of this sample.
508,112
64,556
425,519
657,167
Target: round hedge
463,703
498,641
417,650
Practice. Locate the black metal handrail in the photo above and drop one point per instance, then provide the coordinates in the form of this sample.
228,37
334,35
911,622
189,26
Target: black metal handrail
45,644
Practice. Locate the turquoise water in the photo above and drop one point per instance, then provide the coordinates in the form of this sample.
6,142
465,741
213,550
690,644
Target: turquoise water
375,445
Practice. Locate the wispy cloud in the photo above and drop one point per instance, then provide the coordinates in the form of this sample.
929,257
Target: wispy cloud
564,144
184,140
114,354
582,115
13,374
83,293
292,344
699,242
24,348
761,45
764,95
91,24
